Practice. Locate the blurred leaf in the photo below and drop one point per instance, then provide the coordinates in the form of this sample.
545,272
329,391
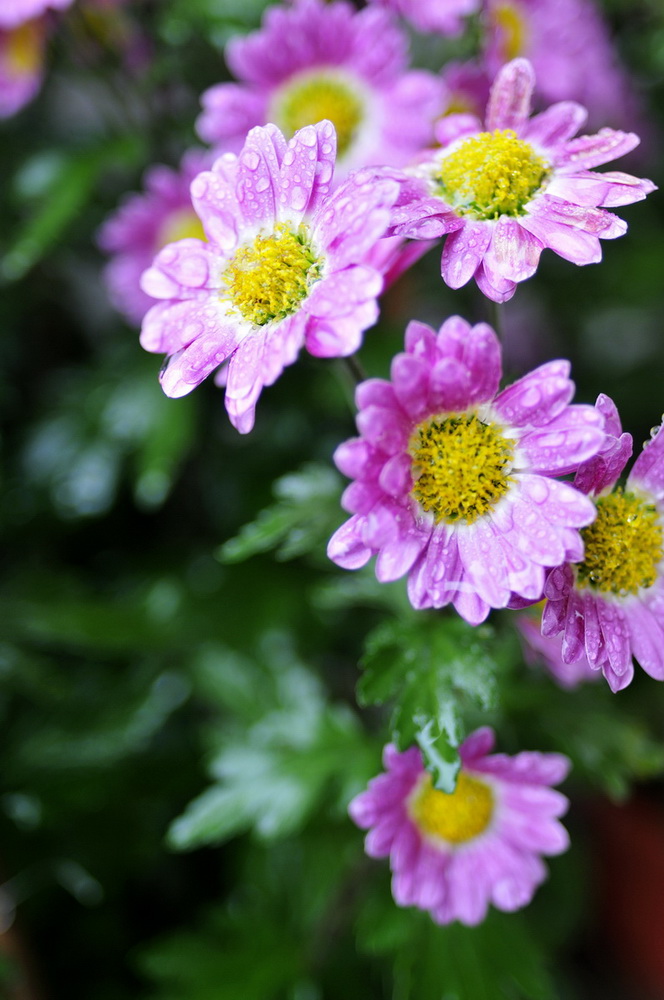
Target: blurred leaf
60,184
497,960
305,515
271,776
433,667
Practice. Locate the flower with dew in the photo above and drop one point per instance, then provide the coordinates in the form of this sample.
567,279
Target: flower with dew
516,186
444,17
546,651
21,64
143,224
569,45
609,605
318,60
283,267
454,854
454,483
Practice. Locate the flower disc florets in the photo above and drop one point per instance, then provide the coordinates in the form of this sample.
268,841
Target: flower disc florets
491,174
315,60
283,267
454,854
455,482
609,605
460,467
506,189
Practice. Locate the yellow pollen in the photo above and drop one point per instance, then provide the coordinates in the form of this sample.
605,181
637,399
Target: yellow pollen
460,466
25,46
491,174
623,546
457,817
268,279
179,226
312,97
512,30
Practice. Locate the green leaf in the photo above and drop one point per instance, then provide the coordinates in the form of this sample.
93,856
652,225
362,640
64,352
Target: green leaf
273,776
61,185
497,960
434,668
304,516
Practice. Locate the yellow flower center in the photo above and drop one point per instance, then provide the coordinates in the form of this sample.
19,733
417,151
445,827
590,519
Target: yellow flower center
623,546
491,174
457,817
460,466
268,279
512,30
24,50
311,97
180,225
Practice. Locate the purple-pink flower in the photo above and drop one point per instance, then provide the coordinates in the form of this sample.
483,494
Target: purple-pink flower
15,12
283,267
143,224
21,64
569,45
508,189
454,481
454,854
442,16
609,605
317,60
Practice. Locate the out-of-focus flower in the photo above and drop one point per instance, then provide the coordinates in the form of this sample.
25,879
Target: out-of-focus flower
282,267
143,224
541,650
16,12
21,64
610,604
466,88
316,61
453,482
569,45
442,16
454,854
516,186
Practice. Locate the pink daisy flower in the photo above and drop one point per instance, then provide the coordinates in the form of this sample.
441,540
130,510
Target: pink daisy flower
516,186
569,45
16,12
316,61
544,651
21,64
454,854
281,268
609,605
453,482
442,16
143,224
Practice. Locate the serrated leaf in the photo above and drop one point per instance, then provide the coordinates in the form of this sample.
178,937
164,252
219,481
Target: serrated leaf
433,667
302,519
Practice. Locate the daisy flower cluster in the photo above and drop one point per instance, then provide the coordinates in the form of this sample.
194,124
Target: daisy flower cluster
333,166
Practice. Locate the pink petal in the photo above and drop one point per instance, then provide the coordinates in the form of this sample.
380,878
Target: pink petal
513,252
509,101
463,252
557,124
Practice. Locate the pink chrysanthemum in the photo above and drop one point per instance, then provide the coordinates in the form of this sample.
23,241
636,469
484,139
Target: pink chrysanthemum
21,65
610,606
453,482
320,60
15,12
540,650
570,48
442,16
282,267
142,225
516,186
454,854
